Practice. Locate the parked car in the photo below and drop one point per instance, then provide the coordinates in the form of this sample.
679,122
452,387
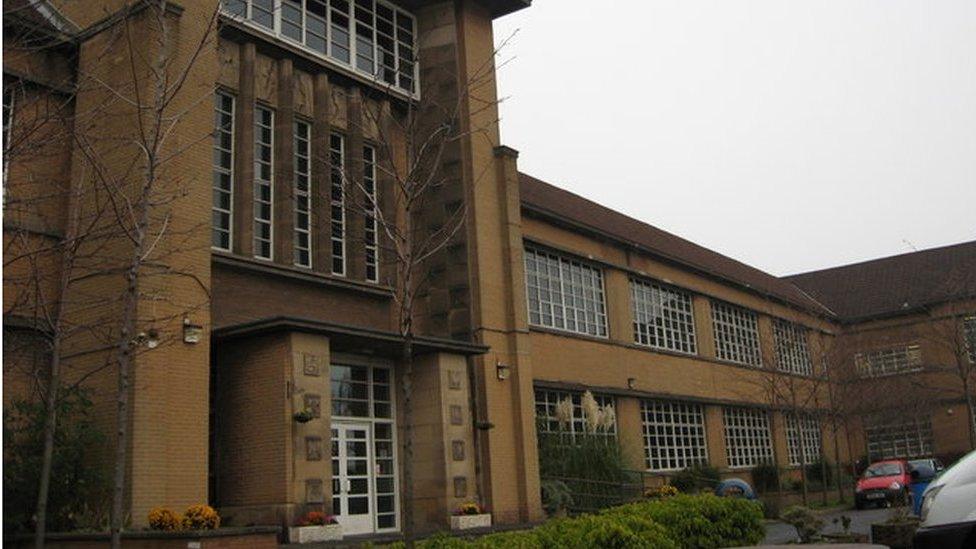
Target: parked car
933,463
883,483
949,508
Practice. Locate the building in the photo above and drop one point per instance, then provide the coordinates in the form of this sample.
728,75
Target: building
267,333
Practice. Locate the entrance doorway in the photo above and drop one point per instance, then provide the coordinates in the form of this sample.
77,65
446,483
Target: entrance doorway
352,481
365,498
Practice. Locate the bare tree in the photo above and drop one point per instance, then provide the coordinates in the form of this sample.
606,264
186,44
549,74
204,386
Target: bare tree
413,141
118,220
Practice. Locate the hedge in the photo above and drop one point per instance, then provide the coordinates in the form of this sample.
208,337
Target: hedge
692,522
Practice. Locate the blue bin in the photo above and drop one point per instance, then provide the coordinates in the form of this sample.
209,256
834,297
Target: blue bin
918,488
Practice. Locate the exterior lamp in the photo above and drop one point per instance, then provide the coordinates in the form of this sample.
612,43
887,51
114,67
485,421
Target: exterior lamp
502,371
192,333
631,382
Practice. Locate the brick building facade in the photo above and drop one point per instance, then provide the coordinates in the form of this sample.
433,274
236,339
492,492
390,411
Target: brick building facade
268,378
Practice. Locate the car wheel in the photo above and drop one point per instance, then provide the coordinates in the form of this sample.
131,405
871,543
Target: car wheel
859,505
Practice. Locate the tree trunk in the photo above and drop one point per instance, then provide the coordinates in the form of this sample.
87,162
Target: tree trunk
836,437
407,360
122,403
50,426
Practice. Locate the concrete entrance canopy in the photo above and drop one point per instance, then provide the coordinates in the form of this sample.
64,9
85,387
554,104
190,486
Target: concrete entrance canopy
351,339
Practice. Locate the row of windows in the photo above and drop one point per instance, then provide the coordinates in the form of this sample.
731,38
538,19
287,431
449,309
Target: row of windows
304,208
675,436
372,37
889,361
568,295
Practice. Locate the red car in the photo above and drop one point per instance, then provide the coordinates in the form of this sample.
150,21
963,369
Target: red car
884,482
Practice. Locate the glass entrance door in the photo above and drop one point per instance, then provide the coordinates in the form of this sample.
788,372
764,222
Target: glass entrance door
352,481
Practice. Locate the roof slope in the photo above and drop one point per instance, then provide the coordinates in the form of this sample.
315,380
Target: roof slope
891,285
552,201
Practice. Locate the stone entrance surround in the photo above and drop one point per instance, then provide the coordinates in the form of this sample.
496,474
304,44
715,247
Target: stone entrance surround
270,469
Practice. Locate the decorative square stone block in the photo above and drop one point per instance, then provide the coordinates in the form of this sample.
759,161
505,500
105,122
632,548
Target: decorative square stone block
460,487
457,450
313,491
313,403
313,364
454,380
313,448
457,415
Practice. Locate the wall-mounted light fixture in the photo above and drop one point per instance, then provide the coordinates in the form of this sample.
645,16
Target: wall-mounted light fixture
631,383
192,333
149,338
502,370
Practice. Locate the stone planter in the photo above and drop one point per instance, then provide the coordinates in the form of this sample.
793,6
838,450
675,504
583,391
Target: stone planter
846,538
465,522
897,535
309,534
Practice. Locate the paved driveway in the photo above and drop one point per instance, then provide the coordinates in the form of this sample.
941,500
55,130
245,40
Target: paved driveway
861,521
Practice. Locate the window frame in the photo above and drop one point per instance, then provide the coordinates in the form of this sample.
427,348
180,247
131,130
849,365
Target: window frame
337,207
865,362
663,413
742,326
659,295
750,425
299,195
258,183
229,171
552,398
371,222
792,348
587,273
403,53
902,435
808,427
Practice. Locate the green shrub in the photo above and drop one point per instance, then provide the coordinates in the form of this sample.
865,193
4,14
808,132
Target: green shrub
765,477
590,465
555,496
604,530
806,522
703,521
76,485
693,479
820,472
692,522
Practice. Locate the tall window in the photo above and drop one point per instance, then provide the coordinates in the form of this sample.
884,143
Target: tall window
792,354
373,37
736,334
369,231
303,195
807,429
564,294
337,203
674,435
747,438
903,437
663,316
223,172
547,403
263,180
889,361
969,330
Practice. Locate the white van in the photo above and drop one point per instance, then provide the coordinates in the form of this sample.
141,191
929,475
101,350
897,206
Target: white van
949,508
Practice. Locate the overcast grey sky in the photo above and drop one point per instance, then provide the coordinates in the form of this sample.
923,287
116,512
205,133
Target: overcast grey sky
791,135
